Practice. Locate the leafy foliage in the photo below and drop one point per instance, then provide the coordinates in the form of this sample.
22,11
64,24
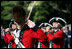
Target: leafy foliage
42,10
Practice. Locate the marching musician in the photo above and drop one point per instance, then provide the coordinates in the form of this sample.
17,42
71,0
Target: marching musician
10,32
29,31
56,35
44,27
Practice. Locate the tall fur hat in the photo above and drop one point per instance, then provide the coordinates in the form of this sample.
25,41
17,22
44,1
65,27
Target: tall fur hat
19,15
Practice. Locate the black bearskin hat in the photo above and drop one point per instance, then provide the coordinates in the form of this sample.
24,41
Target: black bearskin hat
19,15
59,20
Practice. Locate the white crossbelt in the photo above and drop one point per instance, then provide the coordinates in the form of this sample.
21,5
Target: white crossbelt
17,36
69,36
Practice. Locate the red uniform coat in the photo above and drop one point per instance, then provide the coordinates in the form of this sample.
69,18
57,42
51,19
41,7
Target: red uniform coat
29,35
8,38
28,38
45,44
57,38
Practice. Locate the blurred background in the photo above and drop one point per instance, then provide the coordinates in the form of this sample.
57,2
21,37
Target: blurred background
42,11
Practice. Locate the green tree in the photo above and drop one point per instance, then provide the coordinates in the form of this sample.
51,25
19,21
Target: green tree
42,10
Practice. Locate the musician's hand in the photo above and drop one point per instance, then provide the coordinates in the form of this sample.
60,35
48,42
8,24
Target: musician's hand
16,40
51,31
30,23
44,29
48,28
7,29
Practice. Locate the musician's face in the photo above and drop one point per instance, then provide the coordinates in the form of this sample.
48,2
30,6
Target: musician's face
55,24
14,26
1,27
65,28
48,28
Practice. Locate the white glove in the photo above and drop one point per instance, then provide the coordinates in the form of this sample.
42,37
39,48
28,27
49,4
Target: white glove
7,29
16,40
30,24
